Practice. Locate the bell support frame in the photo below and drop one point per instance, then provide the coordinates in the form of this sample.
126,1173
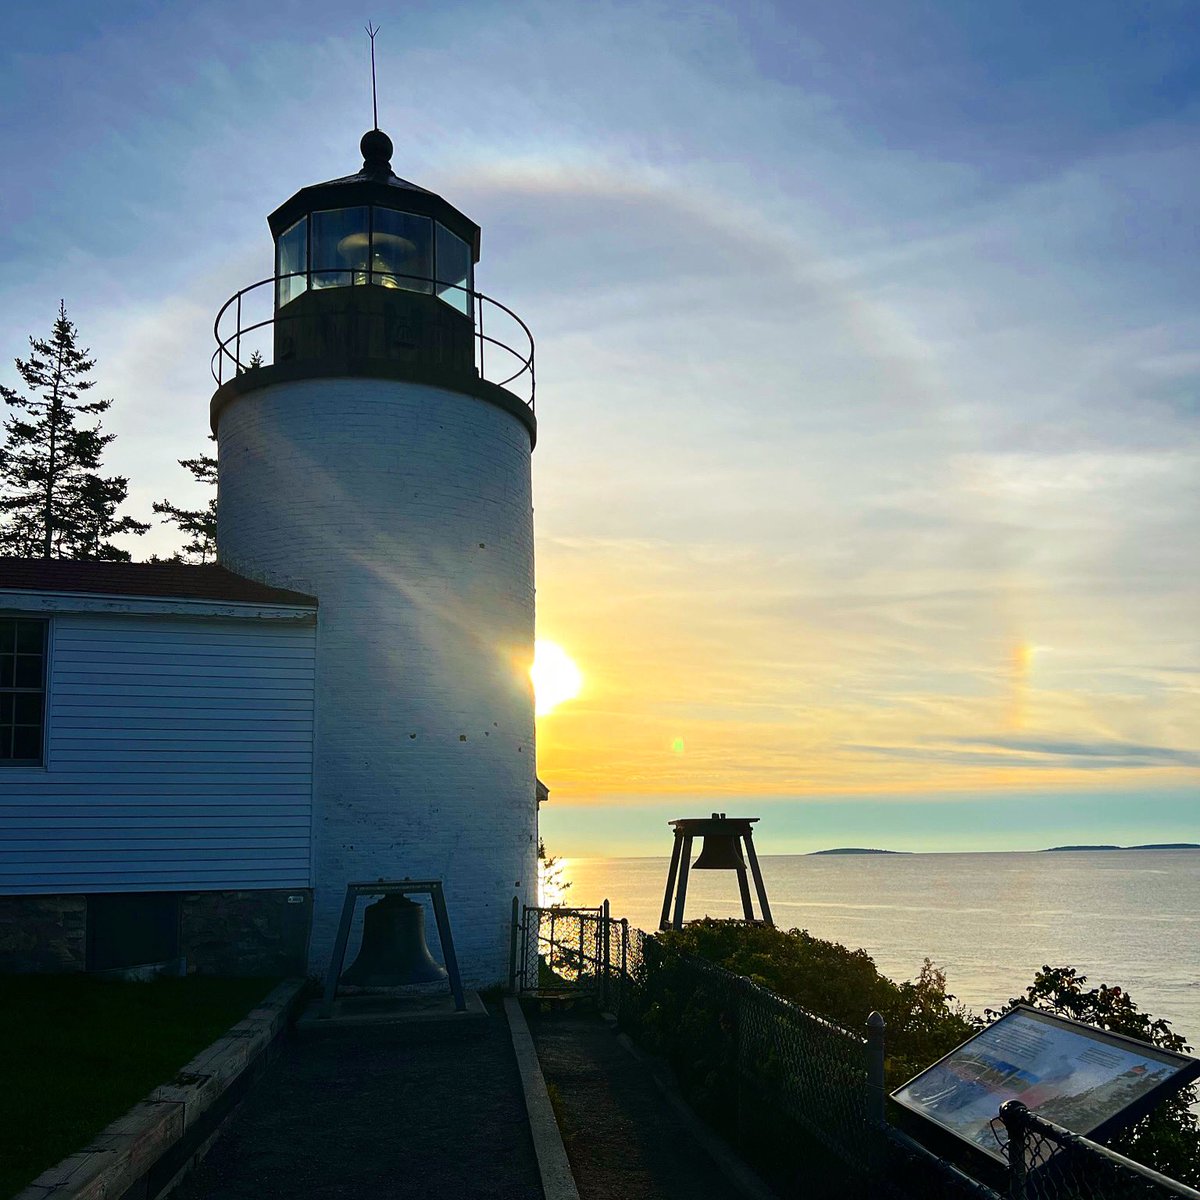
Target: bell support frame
722,828
404,887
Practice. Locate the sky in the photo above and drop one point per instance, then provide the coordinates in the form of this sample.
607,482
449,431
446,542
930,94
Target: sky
868,340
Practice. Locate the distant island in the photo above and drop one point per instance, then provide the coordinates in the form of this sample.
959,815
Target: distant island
856,850
1151,846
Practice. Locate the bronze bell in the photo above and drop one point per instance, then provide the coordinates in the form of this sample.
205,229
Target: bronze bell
721,850
393,950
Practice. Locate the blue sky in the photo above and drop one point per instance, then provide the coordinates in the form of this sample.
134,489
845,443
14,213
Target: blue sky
868,344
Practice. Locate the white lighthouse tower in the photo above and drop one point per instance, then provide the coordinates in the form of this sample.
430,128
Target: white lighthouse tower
371,462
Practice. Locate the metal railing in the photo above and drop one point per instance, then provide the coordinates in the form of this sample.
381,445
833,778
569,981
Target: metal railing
1048,1162
244,328
793,1090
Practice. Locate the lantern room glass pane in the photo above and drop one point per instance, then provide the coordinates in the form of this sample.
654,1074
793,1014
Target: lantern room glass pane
402,251
292,257
453,270
340,237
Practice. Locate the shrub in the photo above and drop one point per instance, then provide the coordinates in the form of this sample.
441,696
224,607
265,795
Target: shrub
923,1020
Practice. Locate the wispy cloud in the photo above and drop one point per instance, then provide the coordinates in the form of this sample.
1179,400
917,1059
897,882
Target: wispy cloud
1039,755
868,341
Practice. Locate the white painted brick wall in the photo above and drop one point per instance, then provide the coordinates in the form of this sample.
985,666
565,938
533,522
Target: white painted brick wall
407,511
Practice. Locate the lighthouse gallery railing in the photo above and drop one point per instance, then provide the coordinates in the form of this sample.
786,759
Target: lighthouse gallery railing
245,341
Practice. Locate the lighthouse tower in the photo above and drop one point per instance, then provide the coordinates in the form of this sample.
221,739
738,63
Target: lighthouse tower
375,453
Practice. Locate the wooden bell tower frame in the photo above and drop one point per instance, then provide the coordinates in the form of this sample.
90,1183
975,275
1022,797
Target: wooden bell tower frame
736,829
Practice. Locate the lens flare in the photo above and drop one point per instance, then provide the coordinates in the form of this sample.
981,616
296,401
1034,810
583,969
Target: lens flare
556,678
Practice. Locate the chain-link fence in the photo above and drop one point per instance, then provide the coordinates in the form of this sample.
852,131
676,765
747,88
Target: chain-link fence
1048,1162
561,951
801,1097
908,1169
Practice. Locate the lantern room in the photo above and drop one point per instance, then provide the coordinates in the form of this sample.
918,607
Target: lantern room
372,266
374,277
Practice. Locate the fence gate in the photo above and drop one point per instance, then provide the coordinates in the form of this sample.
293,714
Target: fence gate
562,951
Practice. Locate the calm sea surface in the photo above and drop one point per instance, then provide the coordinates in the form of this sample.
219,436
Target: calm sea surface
1129,918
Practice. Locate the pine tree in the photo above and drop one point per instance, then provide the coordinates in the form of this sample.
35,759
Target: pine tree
200,524
54,503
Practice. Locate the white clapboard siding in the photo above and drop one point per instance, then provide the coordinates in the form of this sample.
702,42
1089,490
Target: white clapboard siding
179,756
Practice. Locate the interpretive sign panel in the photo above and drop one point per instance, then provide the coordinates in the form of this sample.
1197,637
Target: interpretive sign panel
1091,1082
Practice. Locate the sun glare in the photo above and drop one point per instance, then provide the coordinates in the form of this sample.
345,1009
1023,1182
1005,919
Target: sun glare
555,676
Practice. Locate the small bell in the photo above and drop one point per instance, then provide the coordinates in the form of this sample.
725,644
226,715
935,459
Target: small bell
393,951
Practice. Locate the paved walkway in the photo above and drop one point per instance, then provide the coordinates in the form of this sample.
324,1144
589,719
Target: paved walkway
625,1140
389,1111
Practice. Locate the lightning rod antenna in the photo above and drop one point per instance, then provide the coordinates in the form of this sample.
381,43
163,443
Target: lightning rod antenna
371,32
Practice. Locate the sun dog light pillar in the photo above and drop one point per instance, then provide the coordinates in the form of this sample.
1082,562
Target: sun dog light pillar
374,420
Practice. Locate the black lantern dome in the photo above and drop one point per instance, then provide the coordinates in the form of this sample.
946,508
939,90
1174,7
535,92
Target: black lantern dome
374,228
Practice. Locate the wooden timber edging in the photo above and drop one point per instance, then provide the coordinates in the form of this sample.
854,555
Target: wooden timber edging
144,1152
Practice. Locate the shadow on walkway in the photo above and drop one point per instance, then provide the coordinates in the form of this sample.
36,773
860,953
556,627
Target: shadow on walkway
625,1140
419,1110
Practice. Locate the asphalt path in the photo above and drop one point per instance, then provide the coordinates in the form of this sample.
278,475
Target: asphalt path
396,1111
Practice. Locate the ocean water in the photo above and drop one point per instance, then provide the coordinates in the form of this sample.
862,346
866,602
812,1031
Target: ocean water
1122,917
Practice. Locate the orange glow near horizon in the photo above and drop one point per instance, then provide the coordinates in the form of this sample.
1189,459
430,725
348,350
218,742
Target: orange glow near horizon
706,681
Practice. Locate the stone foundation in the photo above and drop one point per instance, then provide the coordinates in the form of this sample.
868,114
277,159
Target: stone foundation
44,935
221,933
245,933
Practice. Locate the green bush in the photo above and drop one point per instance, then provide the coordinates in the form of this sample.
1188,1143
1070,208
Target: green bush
923,1021
694,1025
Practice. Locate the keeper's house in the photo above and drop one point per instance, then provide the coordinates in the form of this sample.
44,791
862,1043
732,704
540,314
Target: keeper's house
156,750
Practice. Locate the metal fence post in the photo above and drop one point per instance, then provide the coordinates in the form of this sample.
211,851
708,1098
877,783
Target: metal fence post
1013,1113
739,1091
512,945
876,1111
525,947
876,1094
602,951
624,962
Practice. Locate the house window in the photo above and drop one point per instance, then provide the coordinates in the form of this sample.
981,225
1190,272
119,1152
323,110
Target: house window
22,690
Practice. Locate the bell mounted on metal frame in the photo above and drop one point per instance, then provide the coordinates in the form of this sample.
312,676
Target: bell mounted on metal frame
393,951
721,851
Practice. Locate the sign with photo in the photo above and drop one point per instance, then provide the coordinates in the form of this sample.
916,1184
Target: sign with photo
1089,1081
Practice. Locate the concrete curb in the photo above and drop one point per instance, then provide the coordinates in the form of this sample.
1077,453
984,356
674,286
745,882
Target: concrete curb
557,1181
176,1120
741,1177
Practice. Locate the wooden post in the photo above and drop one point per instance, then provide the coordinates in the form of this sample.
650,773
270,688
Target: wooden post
685,860
759,886
744,888
672,871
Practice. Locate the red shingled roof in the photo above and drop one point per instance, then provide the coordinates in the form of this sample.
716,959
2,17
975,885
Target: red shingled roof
177,580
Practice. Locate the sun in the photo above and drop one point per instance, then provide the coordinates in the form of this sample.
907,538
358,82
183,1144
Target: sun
555,676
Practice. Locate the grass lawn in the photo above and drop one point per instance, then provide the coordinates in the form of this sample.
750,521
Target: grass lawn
79,1052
